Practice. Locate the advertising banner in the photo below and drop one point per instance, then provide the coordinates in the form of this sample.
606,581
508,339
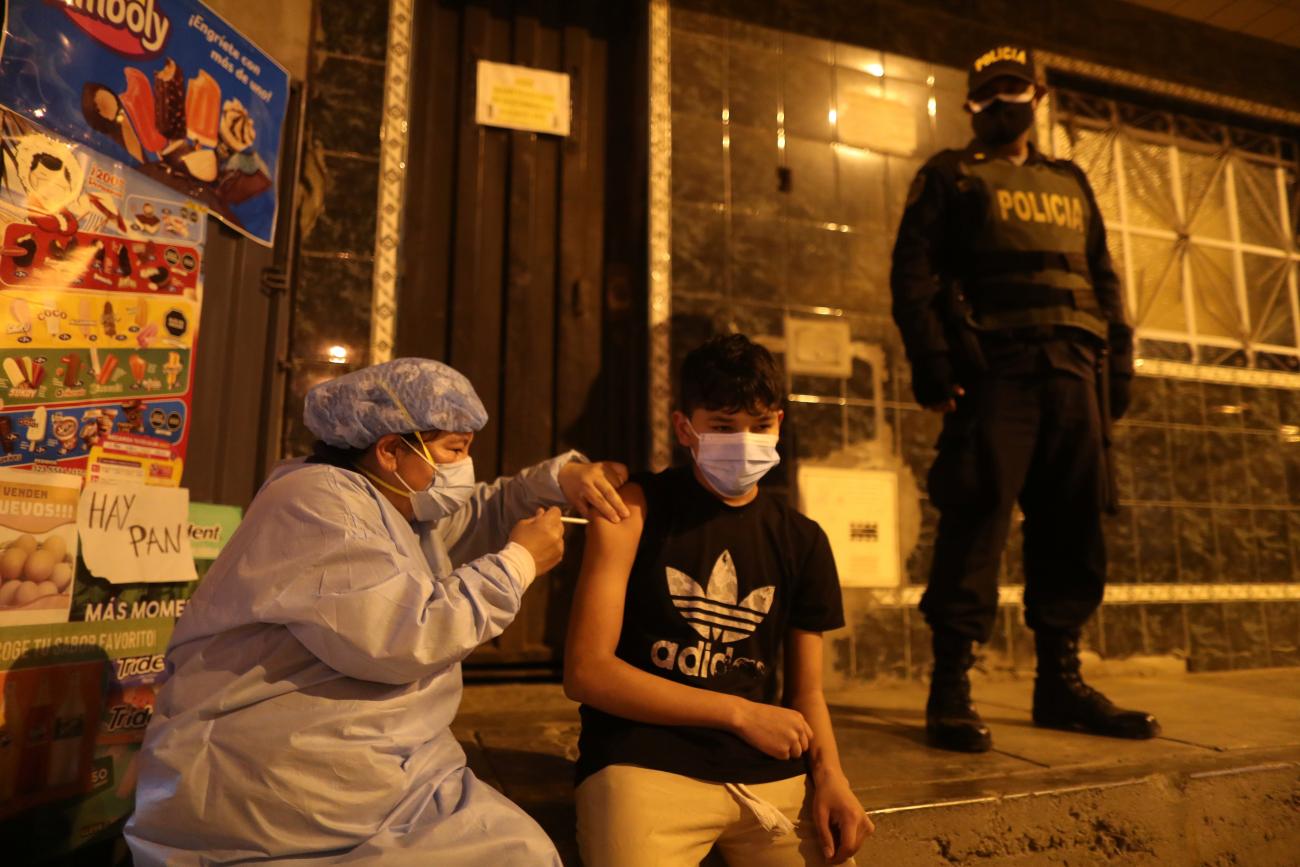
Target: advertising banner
76,698
100,292
164,86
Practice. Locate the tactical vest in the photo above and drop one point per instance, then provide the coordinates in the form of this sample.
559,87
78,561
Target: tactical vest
1027,262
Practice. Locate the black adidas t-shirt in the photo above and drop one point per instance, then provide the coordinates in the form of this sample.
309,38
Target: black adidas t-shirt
711,594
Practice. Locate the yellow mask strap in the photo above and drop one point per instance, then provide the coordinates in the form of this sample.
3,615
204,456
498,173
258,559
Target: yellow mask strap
378,481
415,428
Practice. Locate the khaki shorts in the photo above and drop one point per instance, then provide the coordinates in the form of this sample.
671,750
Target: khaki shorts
635,817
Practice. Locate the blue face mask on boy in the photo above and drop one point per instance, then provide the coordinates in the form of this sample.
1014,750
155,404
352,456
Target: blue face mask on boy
734,462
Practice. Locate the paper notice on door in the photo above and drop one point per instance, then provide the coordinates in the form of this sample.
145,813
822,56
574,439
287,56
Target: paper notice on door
858,509
136,533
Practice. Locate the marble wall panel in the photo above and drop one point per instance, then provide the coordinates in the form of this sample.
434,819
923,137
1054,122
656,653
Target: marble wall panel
1229,482
1272,545
1186,402
1197,553
754,91
1247,634
343,111
1234,537
1150,400
697,163
1283,621
1156,544
755,183
698,71
1121,547
879,636
1189,460
354,27
1165,629
1148,450
1122,631
759,258
1209,650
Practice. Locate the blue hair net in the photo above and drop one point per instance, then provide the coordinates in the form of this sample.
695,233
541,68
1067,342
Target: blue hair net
404,395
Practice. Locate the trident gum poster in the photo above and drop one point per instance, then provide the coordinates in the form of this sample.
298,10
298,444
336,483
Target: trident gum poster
164,86
100,288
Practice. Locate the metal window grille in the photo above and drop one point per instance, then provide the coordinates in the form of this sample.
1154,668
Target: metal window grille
1201,220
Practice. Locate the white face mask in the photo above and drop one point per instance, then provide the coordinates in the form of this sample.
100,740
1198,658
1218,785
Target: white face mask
734,462
451,488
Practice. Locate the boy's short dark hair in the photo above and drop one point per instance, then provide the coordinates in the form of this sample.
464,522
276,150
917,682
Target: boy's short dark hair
729,373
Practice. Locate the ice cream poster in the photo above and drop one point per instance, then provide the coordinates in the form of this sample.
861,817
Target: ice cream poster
165,86
73,219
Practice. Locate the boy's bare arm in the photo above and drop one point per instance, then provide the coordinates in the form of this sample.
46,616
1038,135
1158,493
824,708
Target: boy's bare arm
841,822
594,675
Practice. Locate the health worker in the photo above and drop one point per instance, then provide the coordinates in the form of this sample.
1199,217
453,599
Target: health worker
313,676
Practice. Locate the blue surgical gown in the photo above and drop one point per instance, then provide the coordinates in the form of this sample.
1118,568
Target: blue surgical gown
313,677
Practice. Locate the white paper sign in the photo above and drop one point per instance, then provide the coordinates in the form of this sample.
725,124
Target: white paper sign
858,509
135,533
818,347
521,97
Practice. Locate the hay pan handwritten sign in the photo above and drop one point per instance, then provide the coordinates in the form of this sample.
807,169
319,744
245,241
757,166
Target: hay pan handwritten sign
136,533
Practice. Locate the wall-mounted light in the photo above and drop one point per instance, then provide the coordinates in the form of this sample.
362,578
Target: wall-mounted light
931,106
337,354
876,69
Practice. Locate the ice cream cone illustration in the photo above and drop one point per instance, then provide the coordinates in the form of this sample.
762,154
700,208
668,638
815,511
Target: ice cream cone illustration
22,315
36,430
36,371
15,374
53,327
86,319
104,374
138,368
109,320
173,368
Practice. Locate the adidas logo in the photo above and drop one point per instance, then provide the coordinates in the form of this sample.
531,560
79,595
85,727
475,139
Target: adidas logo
714,613
716,616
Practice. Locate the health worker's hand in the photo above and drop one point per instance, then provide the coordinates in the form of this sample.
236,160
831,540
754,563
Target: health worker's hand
593,489
543,536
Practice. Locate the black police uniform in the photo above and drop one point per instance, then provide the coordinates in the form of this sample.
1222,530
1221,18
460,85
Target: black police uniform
1003,285
1022,249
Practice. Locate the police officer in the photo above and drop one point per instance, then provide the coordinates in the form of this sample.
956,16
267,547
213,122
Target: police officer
1013,321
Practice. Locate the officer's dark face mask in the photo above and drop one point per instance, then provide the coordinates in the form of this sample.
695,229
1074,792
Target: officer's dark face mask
1002,122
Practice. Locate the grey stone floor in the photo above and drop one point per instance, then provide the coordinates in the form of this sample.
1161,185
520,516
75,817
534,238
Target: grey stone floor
1131,801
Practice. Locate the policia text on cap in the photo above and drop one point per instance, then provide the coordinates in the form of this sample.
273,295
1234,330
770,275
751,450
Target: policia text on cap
1013,321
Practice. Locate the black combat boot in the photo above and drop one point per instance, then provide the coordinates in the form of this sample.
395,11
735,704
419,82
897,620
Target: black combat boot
1063,701
951,721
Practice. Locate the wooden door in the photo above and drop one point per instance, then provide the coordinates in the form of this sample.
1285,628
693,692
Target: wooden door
520,250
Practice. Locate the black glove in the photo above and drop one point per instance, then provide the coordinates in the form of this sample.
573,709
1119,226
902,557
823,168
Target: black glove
1121,395
933,381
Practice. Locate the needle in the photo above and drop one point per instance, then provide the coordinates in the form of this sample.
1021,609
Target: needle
567,520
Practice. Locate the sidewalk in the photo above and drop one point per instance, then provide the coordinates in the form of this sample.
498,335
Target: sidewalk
1220,786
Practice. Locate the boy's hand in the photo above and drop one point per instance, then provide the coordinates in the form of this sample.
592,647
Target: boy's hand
780,732
543,536
590,487
842,825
